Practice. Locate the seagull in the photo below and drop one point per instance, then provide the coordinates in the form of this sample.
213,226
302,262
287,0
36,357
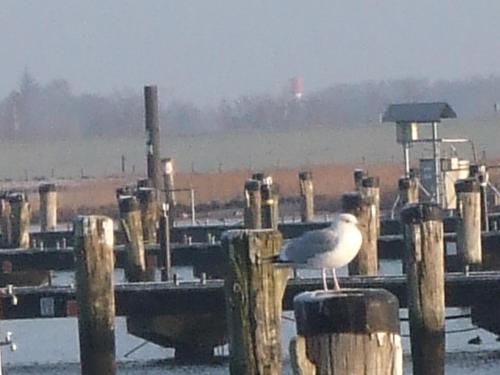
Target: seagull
327,248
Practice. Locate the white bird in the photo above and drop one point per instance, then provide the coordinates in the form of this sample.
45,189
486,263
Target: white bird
327,248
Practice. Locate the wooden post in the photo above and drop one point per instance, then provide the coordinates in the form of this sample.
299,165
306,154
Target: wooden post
358,175
168,181
254,291
469,249
20,218
424,255
93,237
149,213
253,205
152,135
5,221
164,237
48,207
307,196
130,220
363,207
480,173
354,332
370,186
408,190
270,203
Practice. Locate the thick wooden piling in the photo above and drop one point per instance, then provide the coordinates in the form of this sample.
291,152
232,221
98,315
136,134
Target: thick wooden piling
370,187
408,190
152,135
48,207
355,332
469,247
424,255
20,220
363,207
480,173
93,236
253,205
306,196
149,213
131,224
270,203
5,222
254,290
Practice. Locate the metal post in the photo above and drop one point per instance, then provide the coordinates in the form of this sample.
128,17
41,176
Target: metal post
437,163
406,155
193,209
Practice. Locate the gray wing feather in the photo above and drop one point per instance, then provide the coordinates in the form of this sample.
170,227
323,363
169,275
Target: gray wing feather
299,250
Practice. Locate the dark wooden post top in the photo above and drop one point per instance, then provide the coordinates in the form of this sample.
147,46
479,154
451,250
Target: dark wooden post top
47,188
468,185
417,213
370,182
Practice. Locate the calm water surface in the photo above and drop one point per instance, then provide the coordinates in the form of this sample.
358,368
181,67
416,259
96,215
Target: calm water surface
51,346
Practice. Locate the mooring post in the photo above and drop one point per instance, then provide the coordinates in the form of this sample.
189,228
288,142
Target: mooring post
354,332
358,175
48,207
149,213
469,248
408,190
424,255
20,220
370,187
168,181
253,205
254,290
480,173
363,207
307,196
270,203
131,224
152,135
5,221
93,237
164,237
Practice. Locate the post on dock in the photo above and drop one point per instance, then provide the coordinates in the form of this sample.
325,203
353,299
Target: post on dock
168,181
358,175
254,290
48,207
20,220
131,224
354,332
152,135
363,207
5,221
408,190
93,237
149,213
253,205
270,203
306,196
370,187
480,173
164,238
424,255
469,247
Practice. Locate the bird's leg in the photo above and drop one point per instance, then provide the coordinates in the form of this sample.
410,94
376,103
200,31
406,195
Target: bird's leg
323,272
335,281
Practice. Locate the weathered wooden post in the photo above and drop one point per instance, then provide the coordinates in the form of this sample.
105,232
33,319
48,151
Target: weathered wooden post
48,207
469,249
480,173
149,213
93,237
354,332
20,220
164,238
370,186
270,203
152,135
253,205
358,175
307,196
131,223
5,221
424,255
254,291
363,207
408,190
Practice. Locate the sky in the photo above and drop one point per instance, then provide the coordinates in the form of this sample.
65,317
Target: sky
206,50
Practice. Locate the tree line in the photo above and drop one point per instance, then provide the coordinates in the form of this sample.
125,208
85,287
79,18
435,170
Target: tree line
53,110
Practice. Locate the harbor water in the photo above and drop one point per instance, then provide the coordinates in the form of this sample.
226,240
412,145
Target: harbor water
50,346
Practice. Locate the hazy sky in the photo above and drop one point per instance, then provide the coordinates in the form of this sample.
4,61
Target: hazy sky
208,49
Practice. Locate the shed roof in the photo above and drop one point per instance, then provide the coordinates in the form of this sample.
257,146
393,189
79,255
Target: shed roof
418,112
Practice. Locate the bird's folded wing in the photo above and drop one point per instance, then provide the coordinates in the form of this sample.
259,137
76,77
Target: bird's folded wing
301,249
